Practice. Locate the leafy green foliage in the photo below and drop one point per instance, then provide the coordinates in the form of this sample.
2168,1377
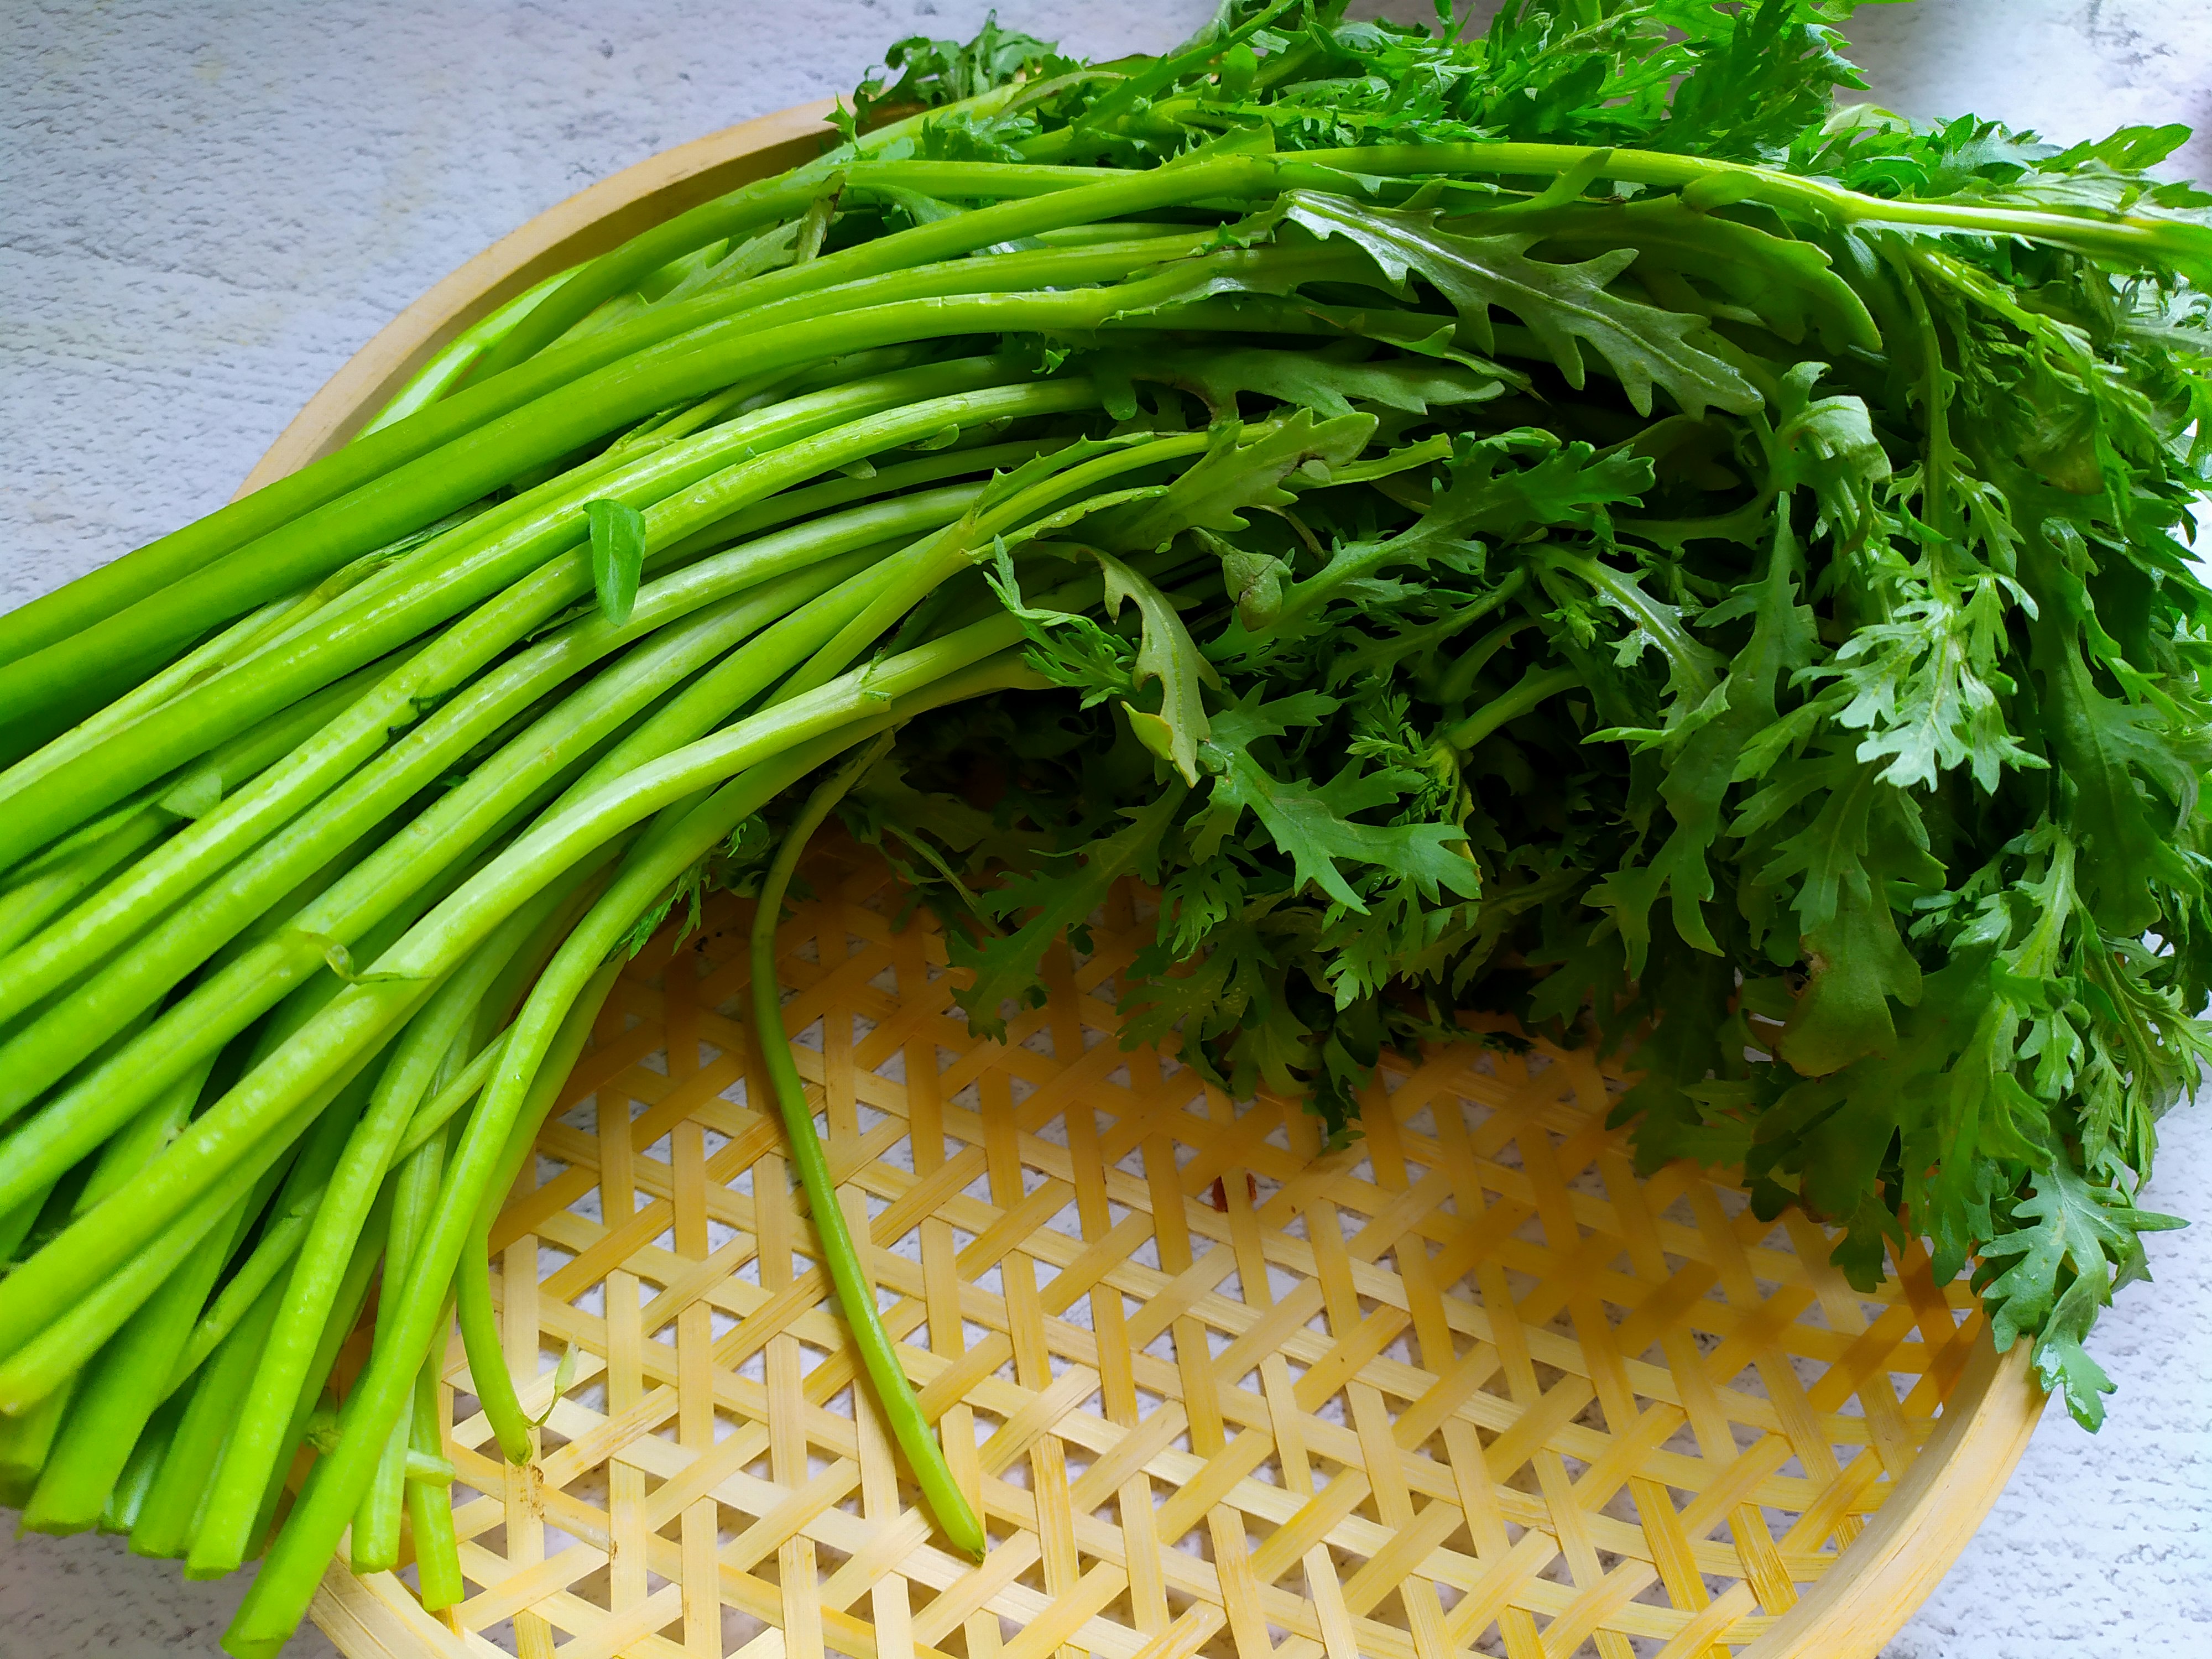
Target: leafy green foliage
1316,827
1058,901
1166,654
934,73
737,866
1548,629
1566,305
2070,1242
1745,80
1719,593
1329,383
1242,468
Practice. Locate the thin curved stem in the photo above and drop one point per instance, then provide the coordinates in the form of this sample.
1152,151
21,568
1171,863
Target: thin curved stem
1710,183
855,1295
1534,687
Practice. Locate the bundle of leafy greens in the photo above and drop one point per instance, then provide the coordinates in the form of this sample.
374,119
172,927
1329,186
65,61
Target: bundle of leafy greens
1767,649
1566,520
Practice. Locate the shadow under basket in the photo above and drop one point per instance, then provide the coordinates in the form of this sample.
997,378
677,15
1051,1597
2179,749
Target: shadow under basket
1466,1385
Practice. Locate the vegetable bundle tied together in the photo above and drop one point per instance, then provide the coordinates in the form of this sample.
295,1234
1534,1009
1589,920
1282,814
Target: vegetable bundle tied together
1561,521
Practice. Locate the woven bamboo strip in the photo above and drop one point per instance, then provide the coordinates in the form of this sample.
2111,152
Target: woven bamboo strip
1466,1385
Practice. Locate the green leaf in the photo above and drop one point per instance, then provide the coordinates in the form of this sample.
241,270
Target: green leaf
1926,687
1762,72
1328,382
1787,285
1229,988
563,1375
1243,467
1827,444
1855,964
1166,654
2063,1243
1705,748
618,555
1061,899
813,226
2110,755
1568,485
1317,829
1248,720
1254,582
1566,305
339,960
1071,649
932,73
736,865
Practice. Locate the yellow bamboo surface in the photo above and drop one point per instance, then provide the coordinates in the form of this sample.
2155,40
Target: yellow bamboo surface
1465,1385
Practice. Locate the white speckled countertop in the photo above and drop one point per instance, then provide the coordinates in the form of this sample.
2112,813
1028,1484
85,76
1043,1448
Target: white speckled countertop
207,205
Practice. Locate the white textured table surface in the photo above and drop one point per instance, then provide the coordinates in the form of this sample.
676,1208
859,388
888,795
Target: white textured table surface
207,205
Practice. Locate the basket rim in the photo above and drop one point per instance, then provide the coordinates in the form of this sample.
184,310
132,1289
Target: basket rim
590,222
1850,1613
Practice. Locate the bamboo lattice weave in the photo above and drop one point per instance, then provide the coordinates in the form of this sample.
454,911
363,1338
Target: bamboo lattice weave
1468,1386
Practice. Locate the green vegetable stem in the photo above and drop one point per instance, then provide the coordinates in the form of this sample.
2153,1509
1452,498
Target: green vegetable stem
855,1289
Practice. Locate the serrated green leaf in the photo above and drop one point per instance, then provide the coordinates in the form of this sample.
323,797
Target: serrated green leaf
1060,899
1167,653
1328,382
1317,829
1706,746
2065,1239
1243,467
1856,965
1566,305
1567,485
2109,752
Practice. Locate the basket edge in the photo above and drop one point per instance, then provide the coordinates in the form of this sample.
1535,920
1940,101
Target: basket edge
1881,1579
377,1617
555,238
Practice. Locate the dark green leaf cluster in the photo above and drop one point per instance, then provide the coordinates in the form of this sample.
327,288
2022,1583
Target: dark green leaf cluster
1701,76
1730,625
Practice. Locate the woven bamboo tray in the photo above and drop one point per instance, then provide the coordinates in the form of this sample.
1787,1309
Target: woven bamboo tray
1468,1386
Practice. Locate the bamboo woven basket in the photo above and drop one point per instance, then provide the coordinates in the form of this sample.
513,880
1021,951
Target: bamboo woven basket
1468,1386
